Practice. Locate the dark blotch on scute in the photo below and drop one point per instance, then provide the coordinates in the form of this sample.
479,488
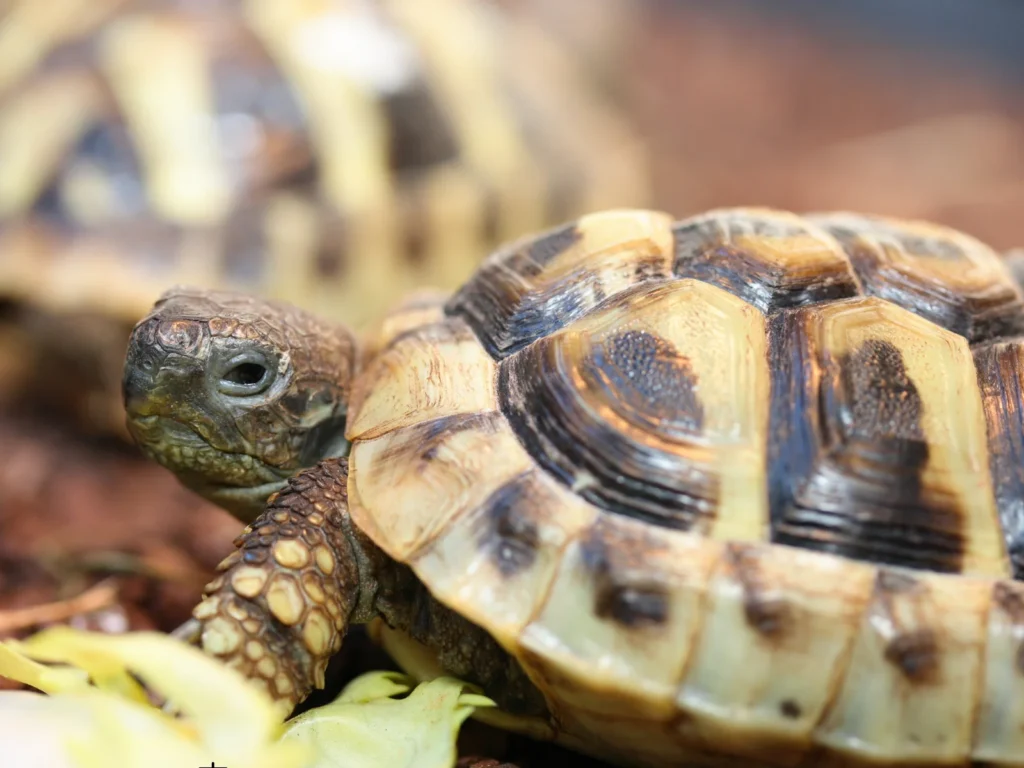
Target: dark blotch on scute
510,536
790,709
629,602
771,617
847,459
633,606
768,617
915,654
651,377
1011,601
882,400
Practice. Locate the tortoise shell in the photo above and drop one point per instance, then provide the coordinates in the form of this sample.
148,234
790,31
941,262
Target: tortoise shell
297,150
328,154
748,484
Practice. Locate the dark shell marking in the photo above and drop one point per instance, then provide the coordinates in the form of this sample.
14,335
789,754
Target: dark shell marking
1000,370
568,432
915,652
508,532
848,458
767,615
1008,597
497,301
899,264
625,592
534,287
735,254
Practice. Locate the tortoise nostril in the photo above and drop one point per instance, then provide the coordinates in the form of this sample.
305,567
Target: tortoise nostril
134,388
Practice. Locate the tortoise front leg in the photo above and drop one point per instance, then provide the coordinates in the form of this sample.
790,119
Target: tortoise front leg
285,597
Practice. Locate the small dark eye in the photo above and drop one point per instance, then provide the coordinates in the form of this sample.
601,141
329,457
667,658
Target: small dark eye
246,374
245,377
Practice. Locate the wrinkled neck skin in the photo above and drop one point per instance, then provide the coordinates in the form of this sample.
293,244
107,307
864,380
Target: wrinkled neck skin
235,395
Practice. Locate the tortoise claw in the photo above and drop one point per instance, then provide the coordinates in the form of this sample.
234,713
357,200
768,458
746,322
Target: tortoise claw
189,632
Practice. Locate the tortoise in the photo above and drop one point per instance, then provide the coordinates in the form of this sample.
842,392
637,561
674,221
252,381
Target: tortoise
330,154
741,489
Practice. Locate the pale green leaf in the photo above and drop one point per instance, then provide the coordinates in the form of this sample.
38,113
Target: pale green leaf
375,685
418,731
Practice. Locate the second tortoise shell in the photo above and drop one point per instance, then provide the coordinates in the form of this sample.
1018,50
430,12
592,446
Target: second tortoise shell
748,482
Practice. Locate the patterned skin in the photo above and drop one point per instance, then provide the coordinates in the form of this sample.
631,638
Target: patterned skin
742,489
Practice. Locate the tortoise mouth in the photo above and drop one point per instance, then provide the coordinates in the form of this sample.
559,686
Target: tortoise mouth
209,470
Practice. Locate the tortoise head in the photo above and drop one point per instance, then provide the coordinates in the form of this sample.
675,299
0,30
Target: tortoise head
235,394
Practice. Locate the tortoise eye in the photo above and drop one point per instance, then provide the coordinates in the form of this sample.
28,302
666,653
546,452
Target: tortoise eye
245,377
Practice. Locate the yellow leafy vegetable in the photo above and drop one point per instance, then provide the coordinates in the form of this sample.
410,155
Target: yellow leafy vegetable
97,714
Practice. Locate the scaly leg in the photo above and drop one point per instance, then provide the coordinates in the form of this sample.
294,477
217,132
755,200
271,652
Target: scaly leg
285,597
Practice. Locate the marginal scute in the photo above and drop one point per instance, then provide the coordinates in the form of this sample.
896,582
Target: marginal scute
407,485
625,664
915,671
772,259
775,632
427,373
496,561
654,407
537,286
999,732
877,440
419,308
943,275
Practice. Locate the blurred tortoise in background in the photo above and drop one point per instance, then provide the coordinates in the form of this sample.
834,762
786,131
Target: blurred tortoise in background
332,153
743,489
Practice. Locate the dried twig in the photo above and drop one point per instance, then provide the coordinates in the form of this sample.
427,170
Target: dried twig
101,595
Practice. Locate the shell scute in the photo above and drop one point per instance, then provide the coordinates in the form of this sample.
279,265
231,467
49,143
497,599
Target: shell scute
941,274
538,285
915,671
495,562
622,661
653,406
878,440
772,259
744,507
777,627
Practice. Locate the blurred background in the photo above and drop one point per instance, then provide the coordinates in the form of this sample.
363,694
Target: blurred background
338,153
